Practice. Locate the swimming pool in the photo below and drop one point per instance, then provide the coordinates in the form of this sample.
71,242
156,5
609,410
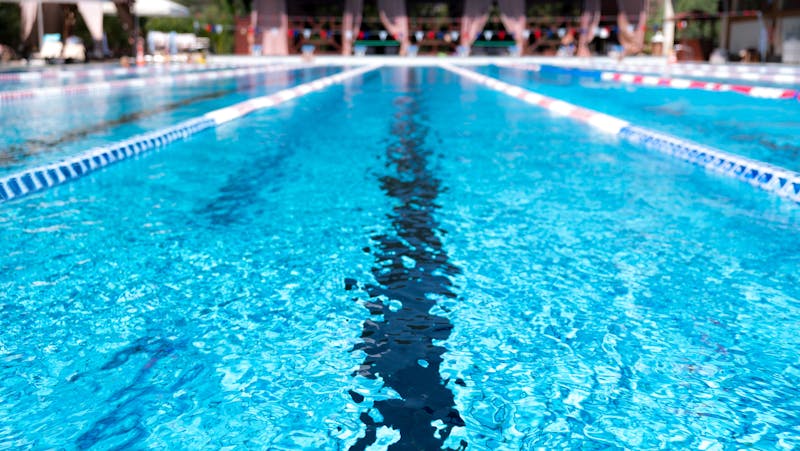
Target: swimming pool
67,124
405,258
764,129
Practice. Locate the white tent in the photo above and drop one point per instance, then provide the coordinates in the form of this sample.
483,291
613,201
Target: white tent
93,10
32,9
151,8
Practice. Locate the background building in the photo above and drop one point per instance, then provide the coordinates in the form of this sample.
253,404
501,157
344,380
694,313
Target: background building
765,30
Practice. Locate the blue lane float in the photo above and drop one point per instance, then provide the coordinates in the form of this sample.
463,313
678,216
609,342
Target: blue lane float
43,177
783,182
39,178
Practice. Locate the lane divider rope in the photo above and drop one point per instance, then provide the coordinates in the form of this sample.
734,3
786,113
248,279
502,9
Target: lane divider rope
142,82
100,72
755,74
47,176
762,92
699,67
781,181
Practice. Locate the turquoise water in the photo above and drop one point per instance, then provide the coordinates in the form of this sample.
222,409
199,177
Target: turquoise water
66,125
764,129
408,258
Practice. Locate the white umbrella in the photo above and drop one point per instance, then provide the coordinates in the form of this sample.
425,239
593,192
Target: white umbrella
151,8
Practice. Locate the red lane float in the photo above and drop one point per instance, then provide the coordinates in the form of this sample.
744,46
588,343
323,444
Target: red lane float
762,92
783,75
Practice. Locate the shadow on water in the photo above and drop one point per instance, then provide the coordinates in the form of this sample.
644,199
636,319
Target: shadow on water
240,194
412,269
123,427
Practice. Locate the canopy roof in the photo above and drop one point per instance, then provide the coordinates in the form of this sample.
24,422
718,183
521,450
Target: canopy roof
151,8
143,8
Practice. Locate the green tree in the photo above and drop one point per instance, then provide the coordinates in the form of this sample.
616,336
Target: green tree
9,25
551,9
213,12
696,29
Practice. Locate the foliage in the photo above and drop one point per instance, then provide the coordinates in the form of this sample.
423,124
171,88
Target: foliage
436,16
696,29
117,37
696,5
435,10
545,10
177,24
214,12
9,25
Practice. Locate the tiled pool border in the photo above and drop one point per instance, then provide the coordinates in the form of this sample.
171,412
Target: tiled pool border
783,182
36,179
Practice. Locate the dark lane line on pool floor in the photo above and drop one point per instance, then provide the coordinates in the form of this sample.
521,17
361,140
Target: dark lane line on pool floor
411,270
239,195
237,200
17,153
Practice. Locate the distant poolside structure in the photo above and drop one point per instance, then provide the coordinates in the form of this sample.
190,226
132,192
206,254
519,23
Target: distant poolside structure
277,27
584,27
48,16
746,30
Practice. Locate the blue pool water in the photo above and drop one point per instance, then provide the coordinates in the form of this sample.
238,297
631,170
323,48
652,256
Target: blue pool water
764,129
66,125
405,259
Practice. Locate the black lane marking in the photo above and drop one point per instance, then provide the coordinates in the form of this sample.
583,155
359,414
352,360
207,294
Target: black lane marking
411,267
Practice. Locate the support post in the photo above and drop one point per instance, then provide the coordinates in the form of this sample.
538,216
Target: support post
135,30
669,27
725,25
40,24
